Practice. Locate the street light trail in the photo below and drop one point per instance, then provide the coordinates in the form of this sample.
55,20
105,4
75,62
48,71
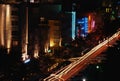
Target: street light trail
80,63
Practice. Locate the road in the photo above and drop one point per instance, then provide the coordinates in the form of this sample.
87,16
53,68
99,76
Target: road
67,72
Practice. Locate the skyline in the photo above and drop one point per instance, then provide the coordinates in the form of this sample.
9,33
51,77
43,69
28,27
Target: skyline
38,39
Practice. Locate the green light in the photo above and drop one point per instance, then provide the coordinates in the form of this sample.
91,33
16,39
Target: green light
112,17
49,51
113,12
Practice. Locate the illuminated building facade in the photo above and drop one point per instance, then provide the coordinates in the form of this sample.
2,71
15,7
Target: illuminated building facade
14,28
54,33
9,26
24,25
110,13
88,23
68,28
24,12
111,9
44,29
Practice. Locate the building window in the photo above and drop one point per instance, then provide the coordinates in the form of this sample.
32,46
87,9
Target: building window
15,43
15,13
14,23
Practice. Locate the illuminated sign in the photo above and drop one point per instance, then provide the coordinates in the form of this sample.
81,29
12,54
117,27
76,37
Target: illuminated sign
82,27
73,24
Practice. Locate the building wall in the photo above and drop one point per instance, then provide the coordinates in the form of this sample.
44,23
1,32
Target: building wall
54,33
9,26
21,26
66,27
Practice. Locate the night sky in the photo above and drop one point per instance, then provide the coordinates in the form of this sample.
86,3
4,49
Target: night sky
88,4
83,5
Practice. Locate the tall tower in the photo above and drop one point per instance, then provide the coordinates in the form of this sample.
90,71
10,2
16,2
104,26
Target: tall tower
8,26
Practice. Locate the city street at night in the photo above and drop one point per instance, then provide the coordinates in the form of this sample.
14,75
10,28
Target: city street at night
59,40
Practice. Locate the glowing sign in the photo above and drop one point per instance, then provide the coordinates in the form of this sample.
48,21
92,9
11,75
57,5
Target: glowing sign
83,25
86,25
73,24
93,24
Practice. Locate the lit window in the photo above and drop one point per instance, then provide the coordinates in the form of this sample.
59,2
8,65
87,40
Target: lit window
15,43
107,10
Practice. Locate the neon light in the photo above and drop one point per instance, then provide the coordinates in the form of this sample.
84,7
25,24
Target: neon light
89,23
26,61
93,24
80,22
86,25
83,25
73,24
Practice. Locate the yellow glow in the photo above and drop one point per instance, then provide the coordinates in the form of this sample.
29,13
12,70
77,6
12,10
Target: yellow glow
60,42
36,51
46,47
26,25
89,17
8,50
89,23
54,33
36,54
24,56
51,43
8,27
25,39
7,10
8,45
107,10
46,50
2,15
5,26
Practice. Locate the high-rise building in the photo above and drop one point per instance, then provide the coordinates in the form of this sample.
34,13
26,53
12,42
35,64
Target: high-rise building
9,26
30,28
111,9
54,33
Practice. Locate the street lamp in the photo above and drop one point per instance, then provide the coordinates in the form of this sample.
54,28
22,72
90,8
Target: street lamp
97,67
84,79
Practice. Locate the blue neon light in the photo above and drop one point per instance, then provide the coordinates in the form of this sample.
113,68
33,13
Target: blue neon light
26,61
73,24
86,25
83,22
